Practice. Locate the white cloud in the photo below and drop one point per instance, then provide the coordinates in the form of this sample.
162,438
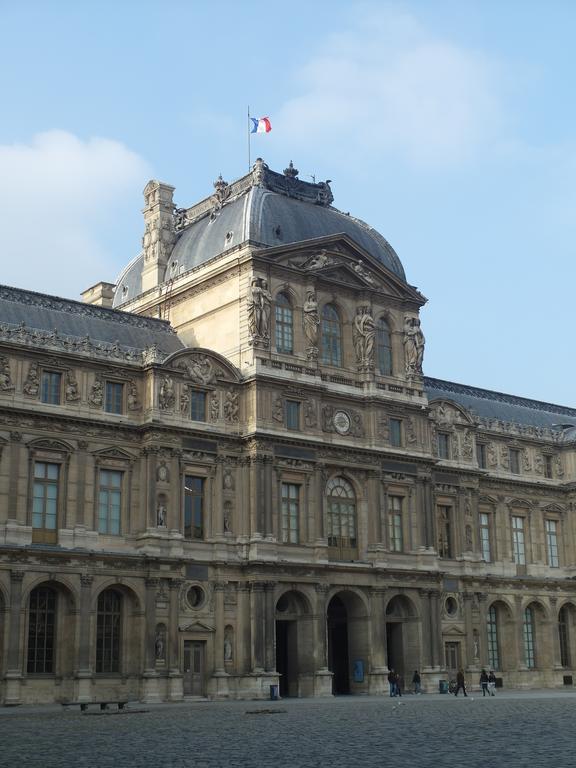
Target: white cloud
387,84
55,193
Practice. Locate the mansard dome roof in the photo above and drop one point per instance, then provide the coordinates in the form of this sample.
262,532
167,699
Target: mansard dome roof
264,208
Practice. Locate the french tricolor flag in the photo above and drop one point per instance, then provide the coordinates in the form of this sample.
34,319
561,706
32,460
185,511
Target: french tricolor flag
261,125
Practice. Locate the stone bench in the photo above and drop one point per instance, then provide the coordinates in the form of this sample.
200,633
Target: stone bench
84,705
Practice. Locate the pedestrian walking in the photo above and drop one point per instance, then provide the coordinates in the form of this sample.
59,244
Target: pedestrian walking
398,681
416,682
492,683
392,683
460,683
484,681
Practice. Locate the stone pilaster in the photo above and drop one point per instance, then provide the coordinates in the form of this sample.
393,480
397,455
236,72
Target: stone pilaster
151,691
175,689
14,653
84,671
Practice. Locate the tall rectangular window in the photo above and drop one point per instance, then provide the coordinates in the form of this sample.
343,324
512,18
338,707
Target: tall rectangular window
290,512
485,537
51,387
445,532
292,414
481,455
514,461
197,405
283,325
518,543
552,543
395,523
443,445
193,507
396,433
114,400
493,649
548,467
528,635
564,637
109,501
45,496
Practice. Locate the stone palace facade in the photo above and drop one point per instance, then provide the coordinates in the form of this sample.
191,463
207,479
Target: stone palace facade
227,471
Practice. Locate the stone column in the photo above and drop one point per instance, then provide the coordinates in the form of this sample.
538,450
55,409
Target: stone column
268,501
482,598
426,505
270,627
257,602
435,629
320,504
80,481
472,657
379,661
151,691
175,690
519,633
84,670
308,516
427,655
322,675
14,654
243,660
14,513
218,499
219,588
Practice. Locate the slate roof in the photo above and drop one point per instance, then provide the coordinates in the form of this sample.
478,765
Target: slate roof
75,320
272,210
495,405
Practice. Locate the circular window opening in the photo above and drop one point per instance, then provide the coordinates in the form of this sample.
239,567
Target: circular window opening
195,596
451,606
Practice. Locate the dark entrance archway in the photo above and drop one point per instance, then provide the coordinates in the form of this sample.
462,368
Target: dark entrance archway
402,638
294,643
338,661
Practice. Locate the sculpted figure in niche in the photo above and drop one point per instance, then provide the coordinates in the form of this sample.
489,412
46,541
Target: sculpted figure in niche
133,404
539,464
317,261
413,346
228,651
361,270
32,383
231,408
5,375
215,406
228,480
161,514
163,473
166,395
227,521
364,335
71,390
160,643
311,324
278,409
97,393
468,448
468,538
185,400
259,303
492,455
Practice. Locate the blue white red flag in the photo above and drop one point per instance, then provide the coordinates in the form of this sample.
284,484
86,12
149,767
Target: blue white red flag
261,125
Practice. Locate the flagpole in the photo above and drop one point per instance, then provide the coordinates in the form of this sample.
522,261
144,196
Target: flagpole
249,163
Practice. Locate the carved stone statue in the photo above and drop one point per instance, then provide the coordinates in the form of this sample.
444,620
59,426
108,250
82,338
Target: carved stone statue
97,393
259,307
32,384
214,406
317,261
166,396
492,455
133,402
311,325
364,335
361,270
185,400
468,445
413,346
231,407
161,515
160,644
5,375
278,409
163,473
71,390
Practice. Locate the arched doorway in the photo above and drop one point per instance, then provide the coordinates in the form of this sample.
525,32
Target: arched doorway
294,643
402,641
348,643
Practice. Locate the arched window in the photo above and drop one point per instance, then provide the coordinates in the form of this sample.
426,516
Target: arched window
108,625
493,644
341,518
41,631
284,322
529,633
331,336
383,348
564,637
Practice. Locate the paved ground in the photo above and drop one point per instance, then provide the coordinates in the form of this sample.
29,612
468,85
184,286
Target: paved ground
511,729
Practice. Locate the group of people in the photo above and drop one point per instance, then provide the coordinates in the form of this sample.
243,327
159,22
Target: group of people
487,683
395,682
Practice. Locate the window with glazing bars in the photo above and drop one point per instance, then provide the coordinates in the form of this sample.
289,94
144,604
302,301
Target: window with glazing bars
41,631
284,325
51,387
383,348
528,631
290,512
552,543
331,336
518,543
193,507
493,646
114,400
395,523
109,501
485,536
108,626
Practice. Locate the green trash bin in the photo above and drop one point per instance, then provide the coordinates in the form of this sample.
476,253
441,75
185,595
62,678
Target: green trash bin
443,686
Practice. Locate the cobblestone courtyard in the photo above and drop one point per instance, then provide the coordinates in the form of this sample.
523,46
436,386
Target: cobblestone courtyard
512,729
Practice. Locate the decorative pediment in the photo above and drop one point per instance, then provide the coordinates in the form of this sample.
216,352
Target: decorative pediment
49,445
453,632
447,413
114,454
554,508
202,366
198,627
340,259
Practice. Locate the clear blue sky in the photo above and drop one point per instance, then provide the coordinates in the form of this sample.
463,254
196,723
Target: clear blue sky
448,126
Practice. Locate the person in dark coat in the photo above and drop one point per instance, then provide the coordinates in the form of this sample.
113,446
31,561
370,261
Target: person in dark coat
460,682
484,682
398,682
392,682
416,681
